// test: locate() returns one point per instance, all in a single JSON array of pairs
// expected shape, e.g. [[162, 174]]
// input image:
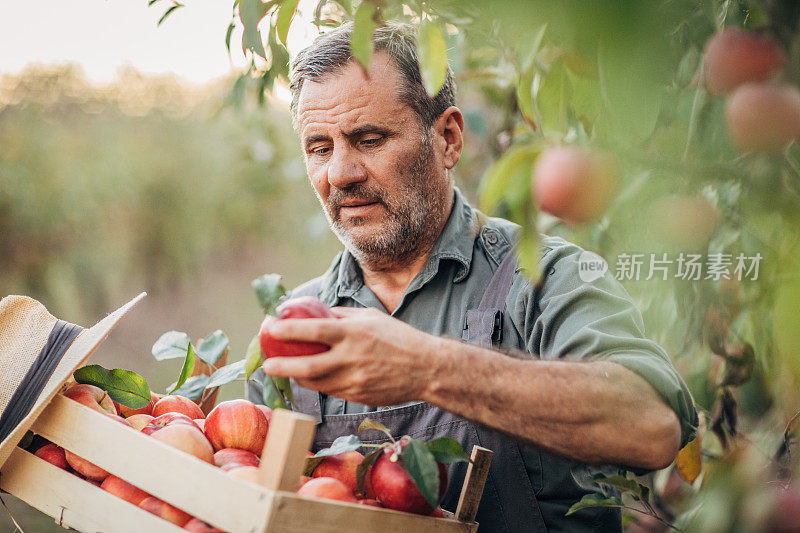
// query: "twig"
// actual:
[[16, 525]]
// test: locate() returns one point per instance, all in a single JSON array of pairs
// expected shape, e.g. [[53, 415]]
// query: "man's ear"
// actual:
[[450, 126]]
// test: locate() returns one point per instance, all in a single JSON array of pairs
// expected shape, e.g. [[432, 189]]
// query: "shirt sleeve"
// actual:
[[565, 317]]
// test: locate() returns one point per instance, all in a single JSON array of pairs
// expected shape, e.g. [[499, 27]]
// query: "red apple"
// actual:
[[394, 488], [177, 404], [733, 57], [764, 117], [201, 423], [140, 421], [165, 511], [342, 467], [91, 396], [188, 439], [235, 455], [304, 480], [198, 526], [247, 473], [53, 454], [237, 424], [267, 413], [327, 487], [574, 183], [122, 489], [437, 513], [302, 307], [165, 420]]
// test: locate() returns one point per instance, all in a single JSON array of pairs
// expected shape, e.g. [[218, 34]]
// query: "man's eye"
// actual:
[[320, 151], [372, 141]]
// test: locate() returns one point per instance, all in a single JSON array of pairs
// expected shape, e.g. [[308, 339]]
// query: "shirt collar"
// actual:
[[455, 243]]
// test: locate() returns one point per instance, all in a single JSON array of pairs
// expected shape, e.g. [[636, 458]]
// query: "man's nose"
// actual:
[[345, 168]]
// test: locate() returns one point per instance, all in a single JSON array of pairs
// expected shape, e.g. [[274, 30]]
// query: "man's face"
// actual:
[[375, 171]]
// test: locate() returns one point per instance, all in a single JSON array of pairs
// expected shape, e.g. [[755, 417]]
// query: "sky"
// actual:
[[104, 35]]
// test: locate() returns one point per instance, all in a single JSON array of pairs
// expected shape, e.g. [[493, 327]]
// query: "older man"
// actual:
[[421, 269]]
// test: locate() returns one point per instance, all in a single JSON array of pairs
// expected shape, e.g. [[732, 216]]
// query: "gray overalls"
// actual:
[[509, 503]]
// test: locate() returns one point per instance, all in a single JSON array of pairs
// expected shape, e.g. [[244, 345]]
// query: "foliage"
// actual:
[[627, 78]]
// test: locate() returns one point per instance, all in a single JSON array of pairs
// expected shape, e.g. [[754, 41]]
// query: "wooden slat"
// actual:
[[73, 502], [292, 513], [289, 438], [472, 490], [184, 481]]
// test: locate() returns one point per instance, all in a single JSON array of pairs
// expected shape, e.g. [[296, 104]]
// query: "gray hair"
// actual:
[[331, 51]]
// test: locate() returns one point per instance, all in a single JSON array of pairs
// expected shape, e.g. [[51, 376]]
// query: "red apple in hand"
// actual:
[[177, 404], [393, 486], [327, 487], [302, 307], [237, 424], [54, 454]]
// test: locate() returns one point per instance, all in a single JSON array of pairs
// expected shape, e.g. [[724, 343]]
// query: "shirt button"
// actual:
[[491, 237]]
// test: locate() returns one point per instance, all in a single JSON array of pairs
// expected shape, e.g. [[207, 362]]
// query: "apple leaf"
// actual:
[[250, 13], [226, 374], [421, 466], [689, 462], [594, 500], [446, 450], [171, 345], [363, 26], [186, 371], [193, 388], [277, 392], [509, 179], [269, 291], [253, 357], [624, 484], [123, 386], [285, 15], [363, 468], [369, 423], [212, 347], [432, 57]]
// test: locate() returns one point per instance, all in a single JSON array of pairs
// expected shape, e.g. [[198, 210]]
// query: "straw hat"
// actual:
[[38, 354]]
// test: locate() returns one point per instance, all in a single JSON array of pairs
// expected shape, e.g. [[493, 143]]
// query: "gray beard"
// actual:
[[414, 217]]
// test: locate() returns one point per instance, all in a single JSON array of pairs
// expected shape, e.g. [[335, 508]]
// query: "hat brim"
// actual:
[[76, 355]]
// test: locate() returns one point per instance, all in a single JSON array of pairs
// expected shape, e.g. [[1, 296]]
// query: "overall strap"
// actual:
[[484, 326]]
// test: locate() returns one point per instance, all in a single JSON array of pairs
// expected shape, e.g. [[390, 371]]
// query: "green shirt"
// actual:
[[562, 317]]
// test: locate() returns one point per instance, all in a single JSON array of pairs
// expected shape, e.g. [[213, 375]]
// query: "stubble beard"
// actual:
[[413, 217]]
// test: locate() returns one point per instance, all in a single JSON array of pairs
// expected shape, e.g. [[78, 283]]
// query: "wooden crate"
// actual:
[[197, 487]]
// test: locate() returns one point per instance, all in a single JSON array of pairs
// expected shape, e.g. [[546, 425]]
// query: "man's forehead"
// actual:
[[348, 97]]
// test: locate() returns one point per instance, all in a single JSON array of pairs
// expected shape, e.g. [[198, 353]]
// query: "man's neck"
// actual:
[[390, 282]]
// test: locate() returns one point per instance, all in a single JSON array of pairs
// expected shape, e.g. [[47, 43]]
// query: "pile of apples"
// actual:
[[231, 437]]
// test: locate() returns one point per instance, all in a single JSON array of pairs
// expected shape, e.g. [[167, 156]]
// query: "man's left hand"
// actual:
[[374, 359]]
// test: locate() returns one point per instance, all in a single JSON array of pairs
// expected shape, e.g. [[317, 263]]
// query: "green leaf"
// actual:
[[226, 374], [171, 345], [194, 387], [363, 468], [363, 26], [253, 357], [446, 450], [123, 386], [343, 444], [421, 466], [621, 482], [369, 423], [212, 347], [188, 366], [285, 14], [228, 34], [167, 13], [432, 57], [594, 500], [250, 13], [279, 66], [269, 291], [553, 97], [276, 392], [509, 179]]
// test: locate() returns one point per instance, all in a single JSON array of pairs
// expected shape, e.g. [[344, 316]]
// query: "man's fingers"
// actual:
[[302, 367], [325, 330]]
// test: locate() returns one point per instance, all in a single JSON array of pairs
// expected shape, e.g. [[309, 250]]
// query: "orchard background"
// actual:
[[191, 192]]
